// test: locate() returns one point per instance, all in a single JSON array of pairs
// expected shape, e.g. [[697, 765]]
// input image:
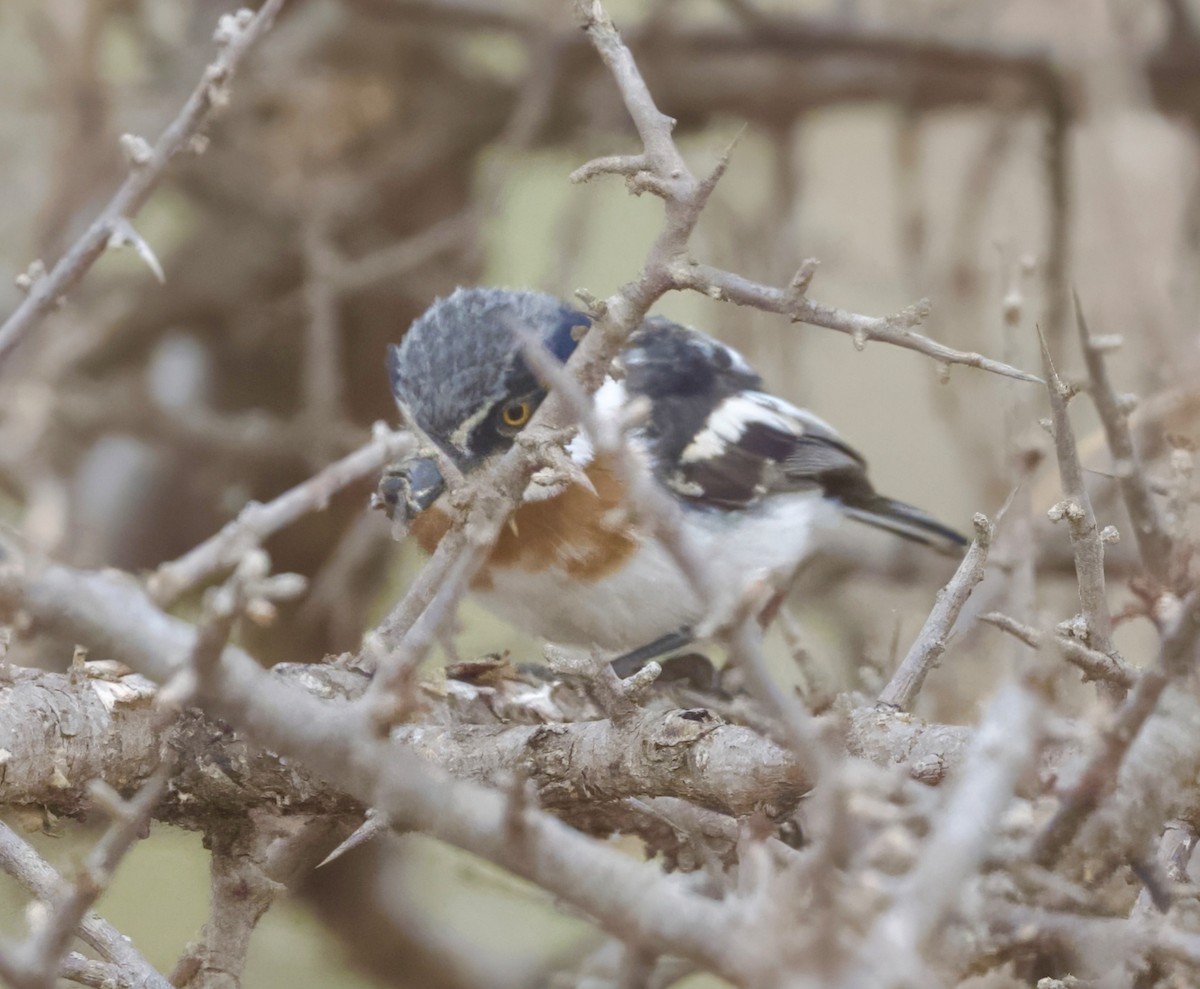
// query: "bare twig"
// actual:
[[236, 35], [1005, 745], [744, 640], [19, 860], [661, 170], [1094, 665], [896, 329], [1052, 90], [131, 820], [935, 634], [258, 521], [1154, 544], [1018, 545], [1099, 774], [397, 661], [1018, 630], [1076, 508]]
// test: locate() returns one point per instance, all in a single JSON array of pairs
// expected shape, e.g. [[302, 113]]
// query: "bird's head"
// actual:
[[459, 373]]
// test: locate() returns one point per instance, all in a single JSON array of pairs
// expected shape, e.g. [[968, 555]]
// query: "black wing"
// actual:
[[718, 440], [752, 444]]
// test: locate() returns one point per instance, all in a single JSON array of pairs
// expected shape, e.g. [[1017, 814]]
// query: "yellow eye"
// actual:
[[516, 414]]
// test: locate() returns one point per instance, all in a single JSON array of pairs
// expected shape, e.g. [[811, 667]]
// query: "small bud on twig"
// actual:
[[230, 26], [26, 279], [137, 150]]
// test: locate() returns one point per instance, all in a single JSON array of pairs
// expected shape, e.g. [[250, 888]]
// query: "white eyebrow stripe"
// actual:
[[728, 422], [460, 438]]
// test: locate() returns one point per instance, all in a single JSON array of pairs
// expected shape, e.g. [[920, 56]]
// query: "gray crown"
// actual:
[[460, 356]]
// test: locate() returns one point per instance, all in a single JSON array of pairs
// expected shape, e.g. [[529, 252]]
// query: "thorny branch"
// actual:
[[258, 521], [1153, 543], [661, 170], [906, 682], [1094, 665], [795, 304], [19, 860], [36, 962], [1076, 508], [1004, 746], [48, 943], [1095, 782], [236, 35]]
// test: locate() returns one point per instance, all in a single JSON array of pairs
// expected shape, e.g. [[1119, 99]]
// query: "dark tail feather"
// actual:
[[909, 522]]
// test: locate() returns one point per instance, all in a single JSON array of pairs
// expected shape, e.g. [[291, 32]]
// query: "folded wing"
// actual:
[[753, 445]]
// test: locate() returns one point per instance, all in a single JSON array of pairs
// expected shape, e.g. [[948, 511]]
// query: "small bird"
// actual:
[[755, 478]]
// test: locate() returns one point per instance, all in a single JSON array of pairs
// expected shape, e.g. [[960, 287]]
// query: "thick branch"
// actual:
[[690, 754], [101, 728], [253, 861], [620, 894]]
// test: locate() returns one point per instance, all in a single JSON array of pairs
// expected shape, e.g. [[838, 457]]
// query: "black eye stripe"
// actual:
[[491, 433], [485, 438]]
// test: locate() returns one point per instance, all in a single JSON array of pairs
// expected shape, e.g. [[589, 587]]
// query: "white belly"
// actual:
[[649, 596]]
